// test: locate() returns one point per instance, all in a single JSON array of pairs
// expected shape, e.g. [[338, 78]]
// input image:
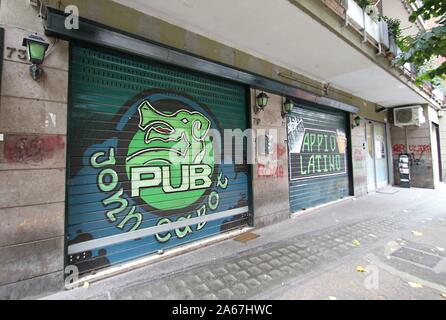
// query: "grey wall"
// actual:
[[32, 161]]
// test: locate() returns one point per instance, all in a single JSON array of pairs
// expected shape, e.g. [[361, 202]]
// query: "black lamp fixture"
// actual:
[[287, 107], [261, 102], [356, 122], [36, 48]]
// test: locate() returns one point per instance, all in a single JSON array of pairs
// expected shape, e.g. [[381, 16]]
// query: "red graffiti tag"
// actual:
[[413, 148], [280, 150], [398, 148], [32, 148], [270, 170], [420, 148]]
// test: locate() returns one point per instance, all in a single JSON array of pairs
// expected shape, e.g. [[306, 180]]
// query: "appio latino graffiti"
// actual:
[[316, 152]]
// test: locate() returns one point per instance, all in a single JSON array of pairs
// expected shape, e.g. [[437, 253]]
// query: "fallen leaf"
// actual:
[[86, 285], [361, 269], [332, 298], [443, 295], [417, 233], [356, 242], [415, 285], [440, 249]]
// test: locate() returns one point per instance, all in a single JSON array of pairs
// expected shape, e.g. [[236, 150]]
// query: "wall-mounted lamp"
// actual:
[[440, 113], [261, 102], [287, 107], [356, 122], [36, 47]]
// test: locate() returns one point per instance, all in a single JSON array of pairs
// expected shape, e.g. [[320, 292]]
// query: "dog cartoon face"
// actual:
[[180, 134]]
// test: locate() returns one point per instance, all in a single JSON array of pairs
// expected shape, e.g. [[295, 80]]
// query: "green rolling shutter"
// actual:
[[318, 159], [143, 170]]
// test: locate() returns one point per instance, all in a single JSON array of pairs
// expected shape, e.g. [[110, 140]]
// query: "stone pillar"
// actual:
[[359, 149], [33, 121], [270, 176]]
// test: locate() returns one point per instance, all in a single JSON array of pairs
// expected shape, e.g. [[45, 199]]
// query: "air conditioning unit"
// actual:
[[409, 116]]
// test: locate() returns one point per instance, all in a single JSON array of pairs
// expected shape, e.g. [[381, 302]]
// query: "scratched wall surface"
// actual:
[[32, 160], [270, 173], [420, 150]]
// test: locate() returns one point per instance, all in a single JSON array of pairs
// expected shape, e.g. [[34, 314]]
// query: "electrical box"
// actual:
[[409, 116], [404, 170]]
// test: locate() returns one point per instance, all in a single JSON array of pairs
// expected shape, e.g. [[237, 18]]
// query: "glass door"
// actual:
[[377, 172], [382, 177]]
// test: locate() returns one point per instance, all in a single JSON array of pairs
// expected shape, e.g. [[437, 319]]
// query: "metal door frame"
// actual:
[[373, 122]]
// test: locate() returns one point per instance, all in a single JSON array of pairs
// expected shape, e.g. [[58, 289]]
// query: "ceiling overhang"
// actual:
[[281, 33]]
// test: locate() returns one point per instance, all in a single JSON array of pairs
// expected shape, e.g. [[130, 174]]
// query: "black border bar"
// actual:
[[92, 32]]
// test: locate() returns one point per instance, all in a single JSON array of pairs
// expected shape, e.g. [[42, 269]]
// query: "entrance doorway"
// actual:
[[377, 169]]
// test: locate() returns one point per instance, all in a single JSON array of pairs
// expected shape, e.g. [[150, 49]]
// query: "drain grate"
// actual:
[[416, 256]]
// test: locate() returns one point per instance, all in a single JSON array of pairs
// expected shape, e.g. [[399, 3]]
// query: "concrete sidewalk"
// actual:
[[312, 256]]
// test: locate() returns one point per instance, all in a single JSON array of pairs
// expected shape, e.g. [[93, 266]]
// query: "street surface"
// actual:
[[387, 245]]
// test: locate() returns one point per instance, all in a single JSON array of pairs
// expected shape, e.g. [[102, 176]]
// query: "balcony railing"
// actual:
[[377, 32]]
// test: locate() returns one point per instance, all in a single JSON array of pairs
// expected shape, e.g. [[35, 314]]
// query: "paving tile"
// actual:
[[225, 293], [244, 263], [230, 279], [276, 274], [232, 267], [240, 288], [255, 260], [254, 271], [265, 266], [242, 277], [252, 283], [265, 257], [201, 289]]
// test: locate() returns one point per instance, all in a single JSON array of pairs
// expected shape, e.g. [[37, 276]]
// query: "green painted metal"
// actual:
[[319, 162], [130, 119]]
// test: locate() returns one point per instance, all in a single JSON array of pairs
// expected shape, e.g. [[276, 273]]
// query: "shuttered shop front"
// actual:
[[144, 171], [318, 156]]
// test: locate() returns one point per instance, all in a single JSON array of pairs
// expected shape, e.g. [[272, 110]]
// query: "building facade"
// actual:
[[144, 134]]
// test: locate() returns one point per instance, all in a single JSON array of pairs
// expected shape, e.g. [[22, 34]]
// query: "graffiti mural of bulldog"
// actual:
[[178, 144], [181, 134]]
